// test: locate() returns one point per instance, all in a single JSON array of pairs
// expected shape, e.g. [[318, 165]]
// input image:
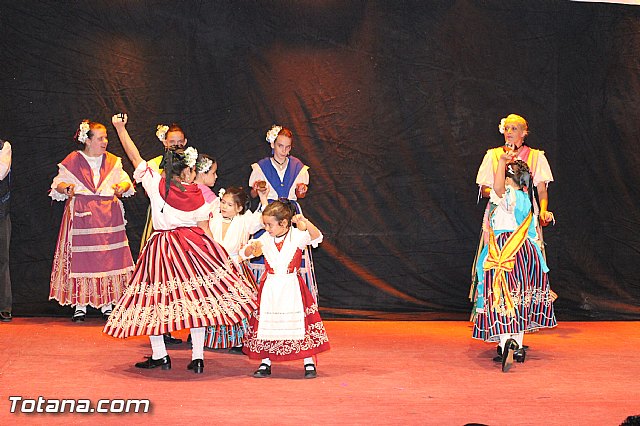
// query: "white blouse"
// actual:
[[485, 176], [117, 175], [163, 215], [242, 226], [279, 259]]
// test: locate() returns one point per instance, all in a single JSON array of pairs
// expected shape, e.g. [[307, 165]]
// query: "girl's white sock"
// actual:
[[158, 347], [197, 343]]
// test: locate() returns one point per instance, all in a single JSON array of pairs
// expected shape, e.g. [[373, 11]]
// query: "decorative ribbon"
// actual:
[[503, 260]]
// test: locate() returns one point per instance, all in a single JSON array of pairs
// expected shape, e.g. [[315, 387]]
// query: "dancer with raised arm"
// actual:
[[182, 279]]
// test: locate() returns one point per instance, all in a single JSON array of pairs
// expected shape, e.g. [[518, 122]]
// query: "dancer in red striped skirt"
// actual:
[[182, 278]]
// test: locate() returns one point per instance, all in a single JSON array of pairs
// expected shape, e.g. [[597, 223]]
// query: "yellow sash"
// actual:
[[503, 261]]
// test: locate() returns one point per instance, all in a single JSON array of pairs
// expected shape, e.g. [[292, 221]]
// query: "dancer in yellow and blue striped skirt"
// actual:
[[514, 296]]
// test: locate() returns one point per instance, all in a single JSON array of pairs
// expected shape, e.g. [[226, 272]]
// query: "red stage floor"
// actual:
[[378, 372]]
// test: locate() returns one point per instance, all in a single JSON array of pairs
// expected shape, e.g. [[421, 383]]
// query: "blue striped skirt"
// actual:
[[530, 291]]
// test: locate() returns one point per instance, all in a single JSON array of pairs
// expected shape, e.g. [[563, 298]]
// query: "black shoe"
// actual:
[[497, 358], [78, 316], [164, 363], [520, 355], [106, 314], [5, 316], [197, 365], [310, 371], [236, 350], [263, 370], [507, 354], [499, 350], [170, 340]]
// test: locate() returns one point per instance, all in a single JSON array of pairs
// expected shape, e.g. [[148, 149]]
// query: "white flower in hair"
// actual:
[[190, 156], [204, 165], [161, 132], [272, 134], [221, 192], [83, 133], [501, 125]]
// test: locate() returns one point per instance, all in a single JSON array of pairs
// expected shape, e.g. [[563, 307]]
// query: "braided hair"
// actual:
[[520, 174], [173, 163]]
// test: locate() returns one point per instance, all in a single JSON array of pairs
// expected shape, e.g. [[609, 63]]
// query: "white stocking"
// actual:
[[158, 347], [518, 338], [503, 339], [197, 343]]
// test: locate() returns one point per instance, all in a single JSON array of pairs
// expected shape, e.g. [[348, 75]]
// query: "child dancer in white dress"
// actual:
[[231, 226], [287, 325]]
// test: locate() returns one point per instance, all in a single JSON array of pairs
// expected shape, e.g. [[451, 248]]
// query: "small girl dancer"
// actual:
[[206, 176], [287, 325], [513, 286], [231, 226], [182, 278]]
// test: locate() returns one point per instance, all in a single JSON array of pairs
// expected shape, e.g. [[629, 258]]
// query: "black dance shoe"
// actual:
[[164, 363], [5, 316], [310, 371], [197, 365], [518, 356], [263, 370], [106, 314], [170, 340], [236, 350], [499, 350], [507, 354], [78, 316]]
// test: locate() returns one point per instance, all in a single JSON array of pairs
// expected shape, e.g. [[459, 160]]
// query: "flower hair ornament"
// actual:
[[190, 156], [83, 131], [204, 165], [501, 125], [272, 134], [161, 132], [221, 192]]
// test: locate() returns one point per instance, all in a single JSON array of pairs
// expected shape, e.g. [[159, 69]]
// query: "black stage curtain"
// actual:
[[393, 105]]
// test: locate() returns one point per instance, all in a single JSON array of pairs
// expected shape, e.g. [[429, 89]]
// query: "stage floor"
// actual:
[[377, 372]]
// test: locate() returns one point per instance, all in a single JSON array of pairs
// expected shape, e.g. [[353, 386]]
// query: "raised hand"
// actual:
[[119, 120]]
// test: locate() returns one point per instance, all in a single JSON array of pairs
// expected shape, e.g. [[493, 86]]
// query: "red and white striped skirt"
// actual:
[[182, 279]]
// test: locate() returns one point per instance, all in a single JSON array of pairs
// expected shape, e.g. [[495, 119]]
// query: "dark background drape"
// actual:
[[393, 105]]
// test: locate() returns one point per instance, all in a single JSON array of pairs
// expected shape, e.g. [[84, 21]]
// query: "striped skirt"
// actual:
[[529, 288], [92, 263], [223, 337], [182, 279]]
